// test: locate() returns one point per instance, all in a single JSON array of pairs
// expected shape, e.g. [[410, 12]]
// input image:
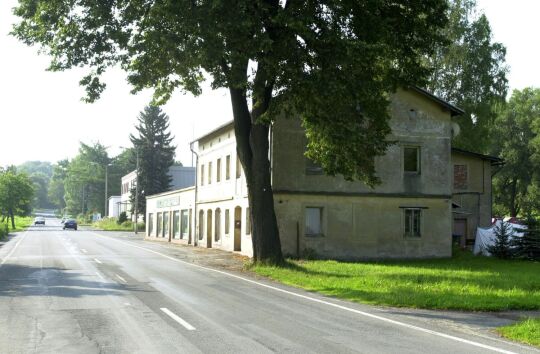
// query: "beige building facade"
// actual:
[[409, 215]]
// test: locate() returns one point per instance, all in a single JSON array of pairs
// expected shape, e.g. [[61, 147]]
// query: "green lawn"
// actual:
[[112, 225], [464, 282], [526, 331], [21, 223]]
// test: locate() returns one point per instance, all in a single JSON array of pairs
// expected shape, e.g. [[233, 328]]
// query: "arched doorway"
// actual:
[[201, 225], [209, 228], [238, 228], [217, 231]]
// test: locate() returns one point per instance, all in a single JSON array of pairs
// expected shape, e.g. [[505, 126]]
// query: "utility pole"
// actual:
[[106, 189], [137, 191]]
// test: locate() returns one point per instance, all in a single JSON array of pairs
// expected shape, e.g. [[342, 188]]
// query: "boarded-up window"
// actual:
[[411, 159], [313, 221], [218, 170], [248, 222], [227, 221], [228, 167], [460, 177]]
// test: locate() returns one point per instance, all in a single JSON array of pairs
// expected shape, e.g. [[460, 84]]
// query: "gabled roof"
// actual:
[[454, 110], [494, 159]]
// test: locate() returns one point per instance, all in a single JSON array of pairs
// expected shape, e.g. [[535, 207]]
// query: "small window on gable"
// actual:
[[411, 159], [460, 177], [313, 219], [412, 222]]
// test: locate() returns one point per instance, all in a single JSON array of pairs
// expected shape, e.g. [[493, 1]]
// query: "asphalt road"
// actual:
[[87, 292]]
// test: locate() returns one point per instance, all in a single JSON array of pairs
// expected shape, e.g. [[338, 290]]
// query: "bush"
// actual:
[[528, 245], [122, 218], [4, 230], [502, 247]]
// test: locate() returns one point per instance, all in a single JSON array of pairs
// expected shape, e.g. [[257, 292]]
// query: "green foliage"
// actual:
[[111, 224], [40, 172], [156, 155], [471, 73], [4, 230], [56, 190], [502, 246], [16, 194], [464, 282], [333, 64], [517, 185], [528, 245], [122, 218], [525, 331]]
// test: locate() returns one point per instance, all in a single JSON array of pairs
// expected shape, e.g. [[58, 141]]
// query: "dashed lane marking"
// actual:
[[177, 319]]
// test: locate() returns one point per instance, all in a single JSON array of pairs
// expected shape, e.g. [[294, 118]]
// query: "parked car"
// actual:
[[39, 221], [70, 224]]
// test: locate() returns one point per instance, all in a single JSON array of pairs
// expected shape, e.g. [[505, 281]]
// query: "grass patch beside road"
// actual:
[[464, 282], [21, 223], [110, 224], [526, 331]]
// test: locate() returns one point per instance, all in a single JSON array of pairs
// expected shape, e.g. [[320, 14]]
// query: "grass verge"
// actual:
[[464, 282], [112, 225], [526, 331], [21, 223]]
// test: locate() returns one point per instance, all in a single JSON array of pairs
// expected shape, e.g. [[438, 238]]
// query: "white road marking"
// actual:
[[84, 251], [99, 275], [309, 298], [97, 261], [177, 319], [122, 279], [13, 249]]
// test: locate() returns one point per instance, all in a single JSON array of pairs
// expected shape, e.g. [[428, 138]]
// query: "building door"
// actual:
[[237, 229], [460, 230], [209, 228], [201, 225]]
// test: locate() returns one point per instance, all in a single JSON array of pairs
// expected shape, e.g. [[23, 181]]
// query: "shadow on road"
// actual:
[[21, 280]]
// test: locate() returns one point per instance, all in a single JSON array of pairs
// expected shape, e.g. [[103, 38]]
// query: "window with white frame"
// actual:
[[313, 219], [210, 172], [202, 175], [227, 221], [413, 217], [184, 224], [218, 170], [150, 224], [228, 167]]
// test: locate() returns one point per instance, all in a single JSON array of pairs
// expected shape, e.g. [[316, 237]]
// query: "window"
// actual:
[[248, 222], [210, 172], [227, 221], [411, 159], [238, 167], [313, 168], [184, 224], [217, 233], [159, 223], [218, 170], [165, 224], [202, 175], [150, 224], [176, 224], [313, 221], [412, 222], [460, 177], [228, 167]]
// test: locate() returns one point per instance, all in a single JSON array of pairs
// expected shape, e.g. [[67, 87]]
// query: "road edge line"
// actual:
[[345, 308]]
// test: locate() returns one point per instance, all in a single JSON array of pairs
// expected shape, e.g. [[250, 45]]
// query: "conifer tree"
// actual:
[[501, 247], [156, 154]]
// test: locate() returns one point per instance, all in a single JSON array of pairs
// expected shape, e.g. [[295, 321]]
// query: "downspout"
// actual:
[[195, 228]]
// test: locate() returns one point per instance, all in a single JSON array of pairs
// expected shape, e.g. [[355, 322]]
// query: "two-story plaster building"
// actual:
[[409, 215]]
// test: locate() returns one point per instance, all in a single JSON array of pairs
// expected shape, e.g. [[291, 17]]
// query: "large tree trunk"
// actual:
[[253, 150]]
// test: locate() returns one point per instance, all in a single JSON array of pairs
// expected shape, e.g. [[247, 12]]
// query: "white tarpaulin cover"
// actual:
[[486, 236]]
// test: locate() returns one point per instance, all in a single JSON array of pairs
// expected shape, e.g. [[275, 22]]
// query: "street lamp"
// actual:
[[136, 188]]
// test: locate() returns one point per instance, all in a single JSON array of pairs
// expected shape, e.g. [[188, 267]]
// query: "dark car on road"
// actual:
[[39, 221], [70, 224]]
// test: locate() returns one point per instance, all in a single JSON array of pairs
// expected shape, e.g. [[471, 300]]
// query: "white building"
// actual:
[[182, 177], [221, 212], [114, 206]]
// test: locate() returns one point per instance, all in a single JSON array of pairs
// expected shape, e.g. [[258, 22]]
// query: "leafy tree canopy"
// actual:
[[16, 194], [517, 185], [471, 73]]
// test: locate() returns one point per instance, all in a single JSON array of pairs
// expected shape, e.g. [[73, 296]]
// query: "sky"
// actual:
[[43, 118]]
